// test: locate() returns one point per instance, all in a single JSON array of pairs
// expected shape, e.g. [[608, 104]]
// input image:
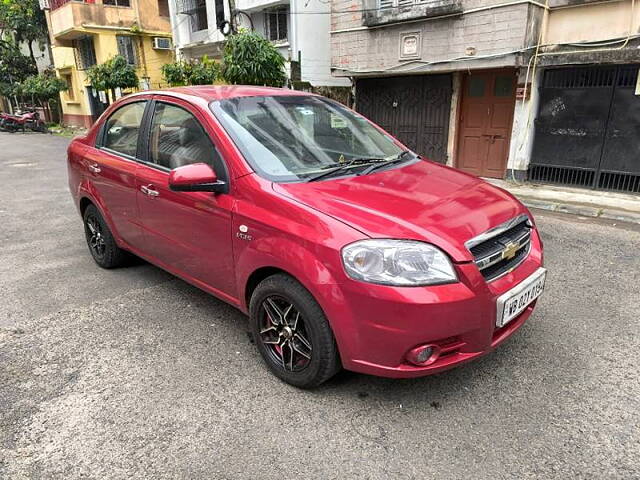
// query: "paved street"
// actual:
[[132, 373]]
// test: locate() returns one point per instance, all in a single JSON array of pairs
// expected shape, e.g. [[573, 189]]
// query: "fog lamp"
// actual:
[[423, 355]]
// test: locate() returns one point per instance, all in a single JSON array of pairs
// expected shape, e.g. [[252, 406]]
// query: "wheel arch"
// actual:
[[84, 203], [258, 276]]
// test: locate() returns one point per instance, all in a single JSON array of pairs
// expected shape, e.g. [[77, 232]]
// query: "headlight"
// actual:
[[397, 262]]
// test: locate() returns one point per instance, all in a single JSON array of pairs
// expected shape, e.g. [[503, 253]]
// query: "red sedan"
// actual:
[[345, 248]]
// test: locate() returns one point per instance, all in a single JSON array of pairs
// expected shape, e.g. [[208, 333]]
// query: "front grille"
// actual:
[[501, 249]]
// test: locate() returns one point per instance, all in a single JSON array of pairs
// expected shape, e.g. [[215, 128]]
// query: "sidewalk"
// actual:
[[578, 201]]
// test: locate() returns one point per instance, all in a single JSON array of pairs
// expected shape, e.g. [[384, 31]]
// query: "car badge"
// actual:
[[510, 250]]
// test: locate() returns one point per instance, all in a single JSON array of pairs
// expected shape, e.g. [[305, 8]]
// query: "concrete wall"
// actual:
[[586, 23], [310, 35], [361, 50]]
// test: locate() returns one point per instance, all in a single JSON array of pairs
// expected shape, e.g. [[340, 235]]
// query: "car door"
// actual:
[[111, 169], [189, 233]]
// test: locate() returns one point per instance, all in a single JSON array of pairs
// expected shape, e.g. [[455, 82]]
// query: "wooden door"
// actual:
[[486, 117]]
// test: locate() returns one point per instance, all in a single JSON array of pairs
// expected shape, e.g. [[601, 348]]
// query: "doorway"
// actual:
[[588, 127], [486, 117], [414, 109]]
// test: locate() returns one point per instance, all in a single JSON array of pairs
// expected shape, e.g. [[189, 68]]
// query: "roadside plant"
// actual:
[[250, 59], [112, 74], [43, 88], [191, 72]]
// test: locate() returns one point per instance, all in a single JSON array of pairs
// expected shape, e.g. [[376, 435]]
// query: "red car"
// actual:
[[345, 248]]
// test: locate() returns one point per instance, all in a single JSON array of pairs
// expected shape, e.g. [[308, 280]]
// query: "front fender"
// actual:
[[283, 254]]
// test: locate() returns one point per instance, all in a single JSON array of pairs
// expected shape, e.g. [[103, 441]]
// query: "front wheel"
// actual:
[[292, 332]]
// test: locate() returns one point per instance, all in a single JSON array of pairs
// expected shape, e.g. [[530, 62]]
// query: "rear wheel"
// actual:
[[100, 241], [292, 332]]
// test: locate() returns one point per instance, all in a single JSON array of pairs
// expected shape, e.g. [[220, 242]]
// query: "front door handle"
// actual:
[[148, 190], [94, 168]]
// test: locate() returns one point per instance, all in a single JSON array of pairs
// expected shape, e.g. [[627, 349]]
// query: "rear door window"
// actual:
[[122, 129]]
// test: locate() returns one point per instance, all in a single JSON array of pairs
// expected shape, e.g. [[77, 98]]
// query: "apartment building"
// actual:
[[87, 32], [299, 28], [518, 89]]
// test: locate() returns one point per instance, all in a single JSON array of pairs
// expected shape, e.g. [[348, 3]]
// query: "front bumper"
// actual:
[[376, 325]]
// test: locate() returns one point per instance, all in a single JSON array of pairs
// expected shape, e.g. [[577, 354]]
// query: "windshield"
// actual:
[[289, 138]]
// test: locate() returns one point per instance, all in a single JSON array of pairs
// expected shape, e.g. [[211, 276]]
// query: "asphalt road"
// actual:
[[132, 373]]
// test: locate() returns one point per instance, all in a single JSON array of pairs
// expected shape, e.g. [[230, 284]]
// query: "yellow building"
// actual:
[[84, 33]]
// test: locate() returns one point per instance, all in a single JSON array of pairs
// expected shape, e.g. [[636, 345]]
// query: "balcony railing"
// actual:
[[378, 12], [59, 3]]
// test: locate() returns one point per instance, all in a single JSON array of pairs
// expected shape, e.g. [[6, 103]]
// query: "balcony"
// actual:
[[70, 19], [381, 12], [256, 5]]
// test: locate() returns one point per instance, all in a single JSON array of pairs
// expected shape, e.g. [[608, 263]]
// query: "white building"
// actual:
[[299, 28]]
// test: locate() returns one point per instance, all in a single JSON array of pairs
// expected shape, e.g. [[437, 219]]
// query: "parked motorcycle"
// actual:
[[27, 120]]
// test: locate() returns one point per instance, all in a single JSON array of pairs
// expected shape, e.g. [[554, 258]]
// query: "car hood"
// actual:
[[421, 201]]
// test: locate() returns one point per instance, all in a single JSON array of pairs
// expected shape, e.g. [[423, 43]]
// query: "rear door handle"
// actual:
[[148, 190], [94, 168]]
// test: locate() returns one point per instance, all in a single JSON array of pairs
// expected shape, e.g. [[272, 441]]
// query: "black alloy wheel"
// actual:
[[102, 245], [292, 333]]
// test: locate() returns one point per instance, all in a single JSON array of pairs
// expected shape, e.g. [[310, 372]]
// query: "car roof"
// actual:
[[222, 92]]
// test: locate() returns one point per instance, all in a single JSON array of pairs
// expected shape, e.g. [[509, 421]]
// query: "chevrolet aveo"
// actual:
[[345, 248]]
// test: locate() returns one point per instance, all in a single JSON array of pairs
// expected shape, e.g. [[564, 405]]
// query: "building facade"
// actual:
[[587, 116], [499, 89], [299, 28], [84, 33]]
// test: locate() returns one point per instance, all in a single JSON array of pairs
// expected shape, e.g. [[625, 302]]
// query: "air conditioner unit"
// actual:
[[162, 43], [44, 4]]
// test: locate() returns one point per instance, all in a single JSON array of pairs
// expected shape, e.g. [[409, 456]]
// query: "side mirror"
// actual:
[[197, 177]]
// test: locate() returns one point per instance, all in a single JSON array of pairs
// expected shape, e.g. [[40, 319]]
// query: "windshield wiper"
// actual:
[[377, 165], [345, 166]]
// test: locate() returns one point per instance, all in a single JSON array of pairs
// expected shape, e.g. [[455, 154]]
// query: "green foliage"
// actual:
[[191, 72], [14, 68], [44, 87], [24, 18], [112, 74], [250, 59]]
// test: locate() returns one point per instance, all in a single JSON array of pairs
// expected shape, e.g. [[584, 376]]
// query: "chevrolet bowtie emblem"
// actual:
[[510, 250]]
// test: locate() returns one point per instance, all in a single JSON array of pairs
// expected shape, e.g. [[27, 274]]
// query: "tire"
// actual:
[[102, 245], [304, 320]]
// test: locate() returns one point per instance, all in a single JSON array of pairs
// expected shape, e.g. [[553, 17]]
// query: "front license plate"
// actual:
[[512, 303]]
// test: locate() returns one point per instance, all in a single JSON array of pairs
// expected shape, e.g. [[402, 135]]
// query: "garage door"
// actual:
[[414, 109], [588, 128]]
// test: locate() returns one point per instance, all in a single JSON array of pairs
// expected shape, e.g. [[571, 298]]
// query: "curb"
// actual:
[[583, 210]]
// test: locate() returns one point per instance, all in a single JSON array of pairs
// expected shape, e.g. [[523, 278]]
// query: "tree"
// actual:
[[250, 59], [14, 68], [191, 72], [25, 20], [43, 88], [112, 74]]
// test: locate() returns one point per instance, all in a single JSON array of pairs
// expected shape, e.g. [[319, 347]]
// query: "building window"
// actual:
[[117, 3], [276, 24], [199, 16], [127, 48], [68, 79], [163, 8], [85, 53]]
